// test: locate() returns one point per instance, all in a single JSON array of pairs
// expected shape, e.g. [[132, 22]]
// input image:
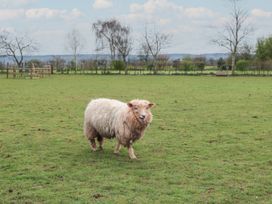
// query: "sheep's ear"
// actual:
[[130, 105], [151, 105]]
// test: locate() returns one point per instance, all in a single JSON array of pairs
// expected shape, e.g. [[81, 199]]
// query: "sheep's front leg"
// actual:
[[92, 144], [100, 140], [131, 152], [117, 148]]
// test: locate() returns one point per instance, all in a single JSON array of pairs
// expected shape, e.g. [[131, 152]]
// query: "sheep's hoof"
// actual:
[[116, 153], [134, 158], [101, 149], [93, 149]]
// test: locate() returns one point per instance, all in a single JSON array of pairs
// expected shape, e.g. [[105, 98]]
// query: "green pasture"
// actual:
[[210, 141]]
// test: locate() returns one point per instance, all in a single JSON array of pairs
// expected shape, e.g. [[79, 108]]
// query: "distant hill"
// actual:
[[214, 56], [46, 58]]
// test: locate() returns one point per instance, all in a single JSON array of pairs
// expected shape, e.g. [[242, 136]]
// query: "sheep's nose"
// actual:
[[142, 116]]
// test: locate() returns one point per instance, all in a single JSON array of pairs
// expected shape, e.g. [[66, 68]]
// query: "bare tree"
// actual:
[[144, 54], [75, 44], [154, 42], [163, 62], [246, 52], [235, 32], [58, 64], [105, 32], [15, 46], [111, 34], [123, 43]]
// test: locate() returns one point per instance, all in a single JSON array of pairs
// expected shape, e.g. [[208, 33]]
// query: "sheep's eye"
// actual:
[[135, 108]]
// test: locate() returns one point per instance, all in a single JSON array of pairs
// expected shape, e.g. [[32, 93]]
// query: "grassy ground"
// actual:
[[210, 141]]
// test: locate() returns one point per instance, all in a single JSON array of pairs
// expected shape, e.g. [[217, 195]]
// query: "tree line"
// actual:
[[115, 38]]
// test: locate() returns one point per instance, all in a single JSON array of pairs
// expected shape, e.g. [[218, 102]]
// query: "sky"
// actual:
[[191, 23]]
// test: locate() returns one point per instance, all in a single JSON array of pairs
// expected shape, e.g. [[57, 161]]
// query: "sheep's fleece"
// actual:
[[108, 118]]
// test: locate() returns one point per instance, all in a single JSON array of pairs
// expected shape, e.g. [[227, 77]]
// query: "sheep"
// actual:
[[108, 118]]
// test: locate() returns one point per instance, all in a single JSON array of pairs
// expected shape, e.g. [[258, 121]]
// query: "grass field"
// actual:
[[210, 141]]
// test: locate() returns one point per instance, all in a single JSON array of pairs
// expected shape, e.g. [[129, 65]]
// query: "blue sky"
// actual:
[[192, 23]]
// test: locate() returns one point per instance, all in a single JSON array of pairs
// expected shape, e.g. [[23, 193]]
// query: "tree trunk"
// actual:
[[233, 63], [155, 66], [75, 61], [52, 69], [126, 66]]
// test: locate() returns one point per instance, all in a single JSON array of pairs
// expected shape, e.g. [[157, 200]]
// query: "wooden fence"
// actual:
[[31, 73]]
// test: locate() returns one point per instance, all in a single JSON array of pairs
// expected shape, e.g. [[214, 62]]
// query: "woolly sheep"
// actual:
[[108, 118]]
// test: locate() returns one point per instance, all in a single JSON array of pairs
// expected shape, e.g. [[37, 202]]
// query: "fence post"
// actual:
[[7, 69], [14, 73], [31, 72]]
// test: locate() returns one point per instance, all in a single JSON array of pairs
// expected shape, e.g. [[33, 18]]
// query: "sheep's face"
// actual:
[[141, 110]]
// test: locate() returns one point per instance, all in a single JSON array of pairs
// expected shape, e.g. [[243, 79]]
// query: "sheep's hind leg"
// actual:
[[91, 134], [117, 148]]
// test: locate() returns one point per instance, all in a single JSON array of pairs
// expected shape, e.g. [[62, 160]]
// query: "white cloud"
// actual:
[[160, 10], [37, 13], [152, 11], [164, 21], [102, 4], [134, 7], [76, 13], [44, 13], [152, 6], [15, 3], [261, 13], [7, 29], [186, 24], [22, 1], [198, 12], [8, 14]]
